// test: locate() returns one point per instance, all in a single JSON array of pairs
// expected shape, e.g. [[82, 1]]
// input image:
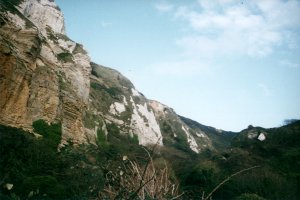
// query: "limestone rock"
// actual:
[[44, 74], [43, 13]]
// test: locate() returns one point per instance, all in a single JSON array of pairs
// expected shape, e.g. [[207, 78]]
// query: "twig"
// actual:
[[227, 179], [137, 191], [144, 172], [177, 196]]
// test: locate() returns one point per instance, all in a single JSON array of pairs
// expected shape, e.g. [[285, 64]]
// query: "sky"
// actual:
[[224, 63]]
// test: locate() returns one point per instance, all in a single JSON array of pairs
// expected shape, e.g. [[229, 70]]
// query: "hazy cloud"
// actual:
[[213, 29], [253, 28], [289, 64], [163, 6]]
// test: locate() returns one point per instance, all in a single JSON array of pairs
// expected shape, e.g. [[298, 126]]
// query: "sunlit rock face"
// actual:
[[144, 124], [175, 130], [43, 13], [44, 74], [261, 137]]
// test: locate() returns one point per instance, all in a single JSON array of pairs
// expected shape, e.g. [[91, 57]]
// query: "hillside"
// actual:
[[74, 129], [46, 75]]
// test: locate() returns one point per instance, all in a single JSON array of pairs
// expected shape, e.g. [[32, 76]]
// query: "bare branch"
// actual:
[[227, 179]]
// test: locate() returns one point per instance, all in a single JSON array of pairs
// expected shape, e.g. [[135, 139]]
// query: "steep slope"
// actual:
[[275, 153], [114, 100], [220, 139], [45, 75]]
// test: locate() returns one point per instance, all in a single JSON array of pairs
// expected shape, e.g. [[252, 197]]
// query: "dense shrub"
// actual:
[[247, 196], [44, 186], [50, 132], [112, 91], [101, 138], [37, 169]]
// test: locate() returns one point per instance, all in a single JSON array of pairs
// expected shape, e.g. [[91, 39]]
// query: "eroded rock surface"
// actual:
[[44, 74]]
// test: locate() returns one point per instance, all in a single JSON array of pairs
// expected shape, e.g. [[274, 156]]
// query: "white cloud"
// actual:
[[289, 64], [213, 29], [253, 28], [163, 7]]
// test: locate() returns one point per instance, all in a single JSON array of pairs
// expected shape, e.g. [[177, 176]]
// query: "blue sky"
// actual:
[[223, 63]]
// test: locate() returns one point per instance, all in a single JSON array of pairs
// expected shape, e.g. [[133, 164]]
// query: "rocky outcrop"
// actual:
[[115, 100], [175, 130], [43, 13], [44, 74]]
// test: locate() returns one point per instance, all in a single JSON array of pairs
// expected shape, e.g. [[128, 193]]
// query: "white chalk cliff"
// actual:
[[45, 75]]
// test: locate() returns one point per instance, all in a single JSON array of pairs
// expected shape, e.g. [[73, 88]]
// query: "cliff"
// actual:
[[45, 75]]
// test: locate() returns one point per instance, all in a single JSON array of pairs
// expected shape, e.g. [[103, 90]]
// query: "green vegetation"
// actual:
[[51, 132], [276, 178], [135, 139], [101, 138], [44, 185], [11, 7], [38, 171], [65, 57], [16, 2], [62, 83], [111, 76], [114, 92], [90, 120], [247, 196]]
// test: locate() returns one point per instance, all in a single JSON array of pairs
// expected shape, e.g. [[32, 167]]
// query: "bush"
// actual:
[[135, 139], [113, 130], [50, 132], [112, 91], [249, 197], [44, 186], [65, 57], [101, 138]]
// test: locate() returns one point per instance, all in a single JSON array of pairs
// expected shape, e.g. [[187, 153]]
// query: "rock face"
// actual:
[[43, 13], [45, 75], [115, 100]]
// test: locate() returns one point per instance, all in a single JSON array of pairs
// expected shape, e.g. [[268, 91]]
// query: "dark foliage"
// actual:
[[65, 57], [36, 168], [114, 92]]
